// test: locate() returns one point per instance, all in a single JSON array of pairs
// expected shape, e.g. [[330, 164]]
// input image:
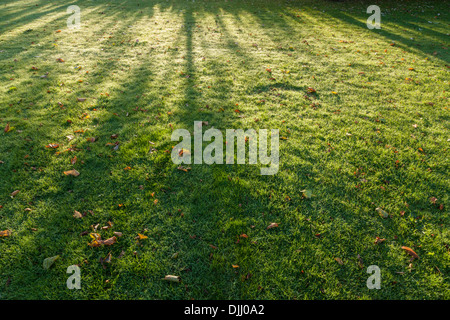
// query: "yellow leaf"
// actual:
[[5, 233]]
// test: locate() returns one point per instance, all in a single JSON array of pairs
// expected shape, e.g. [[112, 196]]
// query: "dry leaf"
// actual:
[[77, 215], [72, 172], [172, 278], [7, 128], [14, 193], [379, 240], [141, 236], [110, 241], [74, 160], [410, 252], [272, 225], [5, 233], [339, 261]]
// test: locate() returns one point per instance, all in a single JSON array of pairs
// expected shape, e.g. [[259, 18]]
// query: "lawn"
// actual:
[[363, 117]]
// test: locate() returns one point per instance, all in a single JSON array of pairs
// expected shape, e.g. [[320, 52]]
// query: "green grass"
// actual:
[[381, 141]]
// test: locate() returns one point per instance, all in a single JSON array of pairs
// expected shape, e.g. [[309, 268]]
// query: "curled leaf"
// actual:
[[410, 252]]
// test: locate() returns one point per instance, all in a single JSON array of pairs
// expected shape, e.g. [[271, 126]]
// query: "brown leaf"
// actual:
[[74, 160], [360, 261], [339, 261], [379, 240], [110, 241], [72, 172], [410, 252], [7, 128], [77, 215], [272, 225], [14, 193]]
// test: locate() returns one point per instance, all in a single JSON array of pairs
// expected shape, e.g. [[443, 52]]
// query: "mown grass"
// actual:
[[149, 67]]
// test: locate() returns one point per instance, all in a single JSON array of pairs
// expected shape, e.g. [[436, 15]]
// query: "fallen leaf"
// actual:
[[110, 241], [77, 215], [382, 213], [272, 225], [14, 193], [7, 128], [172, 278], [379, 240], [73, 160], [72, 172], [141, 236], [5, 233], [48, 262], [410, 252], [339, 261]]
